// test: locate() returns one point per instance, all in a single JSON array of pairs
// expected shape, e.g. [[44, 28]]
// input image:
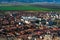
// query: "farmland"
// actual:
[[25, 8]]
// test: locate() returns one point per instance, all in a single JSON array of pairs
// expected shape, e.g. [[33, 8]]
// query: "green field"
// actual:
[[25, 8]]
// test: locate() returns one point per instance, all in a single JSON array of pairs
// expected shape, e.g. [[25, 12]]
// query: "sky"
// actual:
[[30, 1]]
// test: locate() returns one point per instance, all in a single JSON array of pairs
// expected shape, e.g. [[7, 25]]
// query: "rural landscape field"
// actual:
[[33, 8], [34, 5]]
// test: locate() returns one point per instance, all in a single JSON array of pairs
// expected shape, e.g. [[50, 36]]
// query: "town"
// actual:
[[29, 25]]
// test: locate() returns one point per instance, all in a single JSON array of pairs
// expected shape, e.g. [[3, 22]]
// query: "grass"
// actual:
[[29, 8]]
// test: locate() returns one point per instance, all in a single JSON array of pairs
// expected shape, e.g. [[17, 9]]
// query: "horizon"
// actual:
[[31, 1]]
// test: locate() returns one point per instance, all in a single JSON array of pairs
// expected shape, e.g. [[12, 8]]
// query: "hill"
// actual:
[[26, 8]]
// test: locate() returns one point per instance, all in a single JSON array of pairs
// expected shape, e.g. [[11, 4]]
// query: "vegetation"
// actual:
[[27, 8]]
